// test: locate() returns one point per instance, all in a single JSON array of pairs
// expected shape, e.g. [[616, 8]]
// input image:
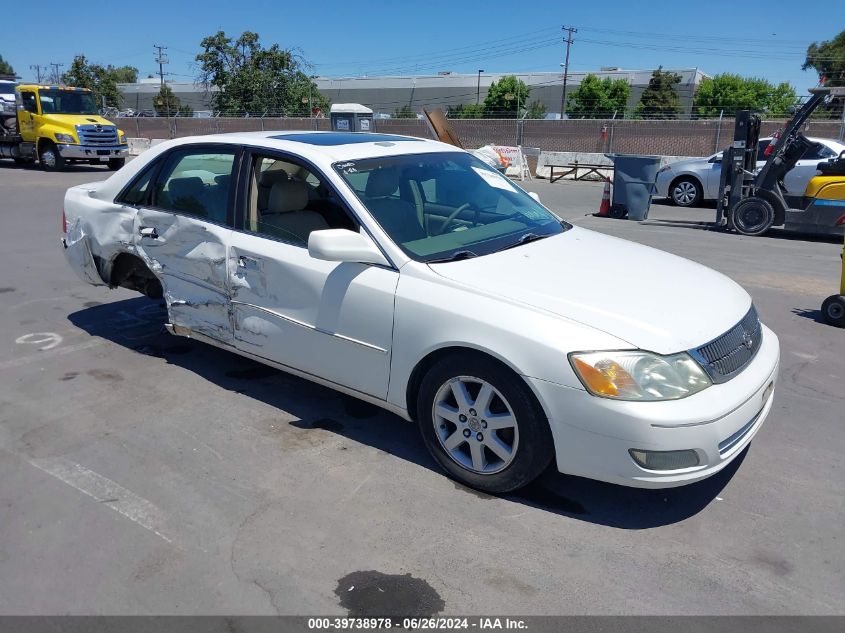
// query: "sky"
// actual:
[[356, 38]]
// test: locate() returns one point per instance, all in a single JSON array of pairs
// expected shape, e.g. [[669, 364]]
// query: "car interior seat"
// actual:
[[286, 216], [397, 217]]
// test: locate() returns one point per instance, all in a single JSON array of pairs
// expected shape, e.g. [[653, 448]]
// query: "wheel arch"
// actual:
[[687, 175], [128, 270], [433, 356]]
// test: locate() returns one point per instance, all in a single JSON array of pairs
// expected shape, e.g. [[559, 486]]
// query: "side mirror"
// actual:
[[534, 195], [343, 245]]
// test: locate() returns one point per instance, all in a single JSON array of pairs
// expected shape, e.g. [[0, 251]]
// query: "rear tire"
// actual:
[[49, 158], [496, 409], [833, 310], [686, 192], [116, 163], [752, 216]]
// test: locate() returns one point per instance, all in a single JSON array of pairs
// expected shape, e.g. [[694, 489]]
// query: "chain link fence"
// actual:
[[668, 138]]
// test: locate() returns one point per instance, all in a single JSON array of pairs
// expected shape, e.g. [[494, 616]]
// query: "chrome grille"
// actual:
[[97, 135], [726, 356]]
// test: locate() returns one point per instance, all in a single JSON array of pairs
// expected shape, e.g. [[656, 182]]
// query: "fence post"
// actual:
[[842, 126], [175, 128], [718, 131]]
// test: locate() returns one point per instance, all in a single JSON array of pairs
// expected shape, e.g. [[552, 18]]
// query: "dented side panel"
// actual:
[[188, 255], [98, 231], [330, 319]]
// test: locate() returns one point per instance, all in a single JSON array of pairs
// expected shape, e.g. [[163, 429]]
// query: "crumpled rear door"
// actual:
[[188, 255]]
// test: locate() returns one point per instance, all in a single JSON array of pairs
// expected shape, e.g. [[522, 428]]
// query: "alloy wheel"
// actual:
[[475, 425], [684, 193]]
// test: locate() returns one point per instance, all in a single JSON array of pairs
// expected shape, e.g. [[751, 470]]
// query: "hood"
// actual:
[[653, 300], [70, 121], [688, 164]]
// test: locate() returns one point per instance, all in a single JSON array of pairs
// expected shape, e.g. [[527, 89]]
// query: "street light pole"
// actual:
[[478, 88], [569, 31]]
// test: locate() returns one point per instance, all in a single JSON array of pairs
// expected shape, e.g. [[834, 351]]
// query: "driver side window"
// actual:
[[29, 103]]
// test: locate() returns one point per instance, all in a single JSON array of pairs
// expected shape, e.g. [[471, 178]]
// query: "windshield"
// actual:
[[56, 101], [7, 88], [446, 205]]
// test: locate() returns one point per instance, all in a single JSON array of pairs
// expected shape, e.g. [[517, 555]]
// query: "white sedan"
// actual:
[[412, 275], [687, 182]]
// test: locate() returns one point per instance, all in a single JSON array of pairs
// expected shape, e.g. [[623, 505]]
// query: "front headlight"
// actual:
[[122, 139], [638, 375], [65, 138]]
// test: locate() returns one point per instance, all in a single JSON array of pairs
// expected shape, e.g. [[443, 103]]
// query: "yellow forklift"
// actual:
[[751, 202], [833, 308]]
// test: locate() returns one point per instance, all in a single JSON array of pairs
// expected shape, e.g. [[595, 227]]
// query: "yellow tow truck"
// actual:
[[56, 125]]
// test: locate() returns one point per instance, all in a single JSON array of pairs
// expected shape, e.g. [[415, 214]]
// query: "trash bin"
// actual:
[[633, 184], [351, 117]]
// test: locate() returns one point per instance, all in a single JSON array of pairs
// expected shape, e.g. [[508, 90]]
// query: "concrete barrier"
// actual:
[[561, 159]]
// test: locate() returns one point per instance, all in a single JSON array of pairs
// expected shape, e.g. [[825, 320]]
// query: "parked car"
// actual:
[[412, 275], [687, 182]]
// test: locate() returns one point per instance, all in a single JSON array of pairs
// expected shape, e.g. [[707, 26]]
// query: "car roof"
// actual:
[[331, 146]]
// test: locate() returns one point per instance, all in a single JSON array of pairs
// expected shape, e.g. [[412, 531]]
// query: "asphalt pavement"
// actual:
[[142, 473]]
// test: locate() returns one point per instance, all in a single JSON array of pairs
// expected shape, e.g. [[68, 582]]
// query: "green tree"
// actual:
[[467, 111], [598, 98], [168, 104], [405, 112], [536, 110], [828, 60], [101, 80], [257, 80], [660, 99], [728, 92], [6, 67], [505, 97]]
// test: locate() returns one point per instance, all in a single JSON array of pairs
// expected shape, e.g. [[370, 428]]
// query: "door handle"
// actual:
[[148, 231], [247, 262]]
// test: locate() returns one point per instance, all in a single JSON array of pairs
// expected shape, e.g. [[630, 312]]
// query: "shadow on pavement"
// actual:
[[138, 324], [69, 168]]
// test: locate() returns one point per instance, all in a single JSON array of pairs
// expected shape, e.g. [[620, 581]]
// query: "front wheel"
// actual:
[[482, 424], [686, 192], [753, 216], [116, 163], [833, 310], [49, 157]]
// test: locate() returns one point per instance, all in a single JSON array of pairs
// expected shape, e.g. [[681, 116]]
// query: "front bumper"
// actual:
[[593, 435], [93, 152]]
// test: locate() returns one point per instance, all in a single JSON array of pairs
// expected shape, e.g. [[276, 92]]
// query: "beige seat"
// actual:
[[266, 180], [286, 216]]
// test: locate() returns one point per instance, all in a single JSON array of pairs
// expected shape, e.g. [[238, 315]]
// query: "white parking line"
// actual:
[[107, 492], [56, 351]]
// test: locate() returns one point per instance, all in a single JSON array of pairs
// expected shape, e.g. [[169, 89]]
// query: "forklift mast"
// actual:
[[739, 161]]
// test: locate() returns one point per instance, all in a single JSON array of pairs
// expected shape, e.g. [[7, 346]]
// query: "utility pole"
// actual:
[[569, 31], [478, 88], [56, 75], [161, 60], [37, 68]]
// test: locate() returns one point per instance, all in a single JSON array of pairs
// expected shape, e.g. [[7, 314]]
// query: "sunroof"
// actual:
[[342, 138]]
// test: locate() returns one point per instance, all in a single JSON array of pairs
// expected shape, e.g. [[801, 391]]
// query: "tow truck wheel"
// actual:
[[753, 216], [49, 157], [833, 310], [116, 163]]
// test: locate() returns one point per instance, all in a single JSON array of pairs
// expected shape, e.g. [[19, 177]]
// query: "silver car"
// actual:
[[687, 182]]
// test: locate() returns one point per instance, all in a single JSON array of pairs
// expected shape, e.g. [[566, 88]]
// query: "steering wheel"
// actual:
[[455, 214]]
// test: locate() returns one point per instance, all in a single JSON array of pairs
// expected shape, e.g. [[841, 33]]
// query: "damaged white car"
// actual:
[[412, 275]]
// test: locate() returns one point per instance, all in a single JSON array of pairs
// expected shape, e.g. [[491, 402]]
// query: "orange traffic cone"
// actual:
[[604, 209]]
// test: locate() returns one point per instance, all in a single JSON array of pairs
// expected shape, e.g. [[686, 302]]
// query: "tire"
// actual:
[[833, 310], [116, 163], [49, 158], [523, 442], [752, 216], [686, 192]]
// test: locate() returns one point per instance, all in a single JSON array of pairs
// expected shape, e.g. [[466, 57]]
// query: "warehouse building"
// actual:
[[446, 89]]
